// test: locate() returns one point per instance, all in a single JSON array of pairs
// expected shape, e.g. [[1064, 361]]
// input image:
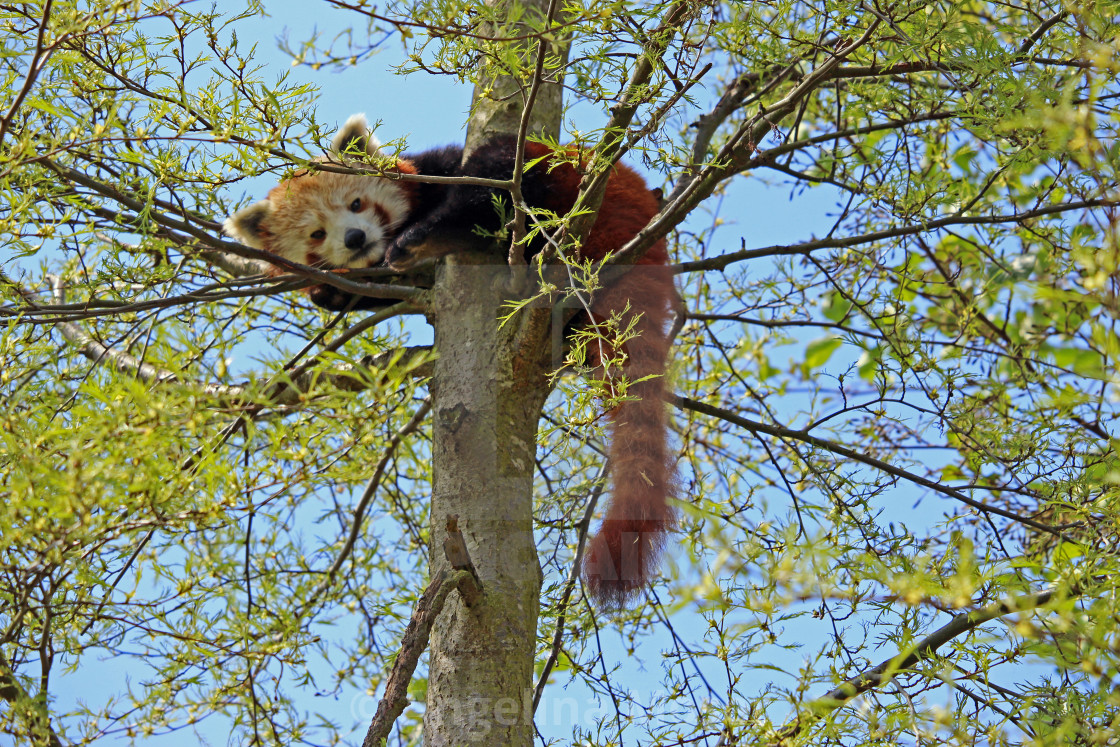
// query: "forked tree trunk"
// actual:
[[489, 386]]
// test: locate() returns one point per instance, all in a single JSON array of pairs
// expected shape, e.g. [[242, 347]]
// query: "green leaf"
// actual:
[[869, 363], [836, 307], [964, 157], [418, 690], [819, 351], [1080, 361]]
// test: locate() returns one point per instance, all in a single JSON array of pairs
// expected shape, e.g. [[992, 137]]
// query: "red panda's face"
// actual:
[[328, 219], [333, 220]]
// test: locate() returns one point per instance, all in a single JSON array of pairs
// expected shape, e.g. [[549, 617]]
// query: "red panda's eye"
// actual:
[[356, 205], [319, 234]]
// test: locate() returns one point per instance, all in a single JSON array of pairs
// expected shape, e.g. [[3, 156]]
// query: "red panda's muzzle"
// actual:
[[355, 239]]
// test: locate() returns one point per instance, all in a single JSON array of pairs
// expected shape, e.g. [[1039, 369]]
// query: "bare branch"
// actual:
[[415, 640], [286, 389], [100, 353], [722, 261], [888, 669], [778, 431]]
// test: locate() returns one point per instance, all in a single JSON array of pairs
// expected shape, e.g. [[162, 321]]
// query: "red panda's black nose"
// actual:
[[355, 239]]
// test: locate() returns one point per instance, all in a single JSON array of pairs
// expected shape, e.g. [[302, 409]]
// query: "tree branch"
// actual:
[[138, 208], [735, 154], [286, 389], [516, 249], [594, 183], [808, 247], [778, 431], [886, 671], [417, 634], [38, 61]]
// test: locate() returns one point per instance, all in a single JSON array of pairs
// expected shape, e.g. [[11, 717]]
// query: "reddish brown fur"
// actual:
[[623, 556]]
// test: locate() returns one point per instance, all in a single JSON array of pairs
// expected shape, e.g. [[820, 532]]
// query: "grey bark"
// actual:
[[489, 386], [488, 401]]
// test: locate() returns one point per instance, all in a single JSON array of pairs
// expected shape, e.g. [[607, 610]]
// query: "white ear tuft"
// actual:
[[246, 225], [355, 136]]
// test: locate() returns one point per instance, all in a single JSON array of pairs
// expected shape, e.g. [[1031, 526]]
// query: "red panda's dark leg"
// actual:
[[462, 210], [466, 211], [335, 299]]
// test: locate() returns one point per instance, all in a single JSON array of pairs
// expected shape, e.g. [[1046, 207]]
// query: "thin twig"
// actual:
[[367, 496], [570, 584]]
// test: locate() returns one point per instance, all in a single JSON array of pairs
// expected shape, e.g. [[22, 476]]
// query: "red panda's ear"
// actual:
[[247, 224], [355, 138]]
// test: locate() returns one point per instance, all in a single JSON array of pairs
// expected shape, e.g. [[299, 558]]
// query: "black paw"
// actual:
[[332, 299], [398, 257]]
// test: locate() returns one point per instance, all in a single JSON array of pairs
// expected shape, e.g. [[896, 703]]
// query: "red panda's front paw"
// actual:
[[332, 299], [328, 297], [399, 257]]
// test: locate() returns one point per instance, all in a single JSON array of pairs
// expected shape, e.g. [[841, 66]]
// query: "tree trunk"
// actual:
[[499, 101], [486, 408], [489, 385]]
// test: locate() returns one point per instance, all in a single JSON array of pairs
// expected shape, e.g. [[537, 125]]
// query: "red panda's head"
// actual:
[[325, 218]]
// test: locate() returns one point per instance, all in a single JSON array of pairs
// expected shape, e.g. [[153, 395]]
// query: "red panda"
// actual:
[[339, 221]]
